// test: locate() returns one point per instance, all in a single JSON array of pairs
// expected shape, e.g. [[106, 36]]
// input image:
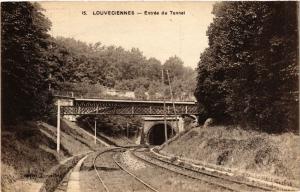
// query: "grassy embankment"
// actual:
[[266, 156], [28, 155]]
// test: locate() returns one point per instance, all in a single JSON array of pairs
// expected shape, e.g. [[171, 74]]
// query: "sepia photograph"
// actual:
[[136, 96]]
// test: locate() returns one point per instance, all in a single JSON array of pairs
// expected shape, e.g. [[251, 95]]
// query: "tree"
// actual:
[[73, 61], [113, 125], [153, 69], [140, 93], [250, 67], [153, 89], [24, 54], [175, 67]]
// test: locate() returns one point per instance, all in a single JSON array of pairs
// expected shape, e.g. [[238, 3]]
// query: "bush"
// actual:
[[113, 125], [249, 73]]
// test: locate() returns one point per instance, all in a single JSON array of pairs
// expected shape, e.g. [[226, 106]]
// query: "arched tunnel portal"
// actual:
[[156, 134]]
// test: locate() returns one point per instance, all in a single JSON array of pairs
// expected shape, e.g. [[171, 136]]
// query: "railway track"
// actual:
[[132, 175], [222, 182], [95, 167], [226, 183], [235, 179]]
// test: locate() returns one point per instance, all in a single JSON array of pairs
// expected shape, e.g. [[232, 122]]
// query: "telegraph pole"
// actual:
[[49, 85], [58, 127], [172, 100], [165, 120], [95, 129], [127, 129]]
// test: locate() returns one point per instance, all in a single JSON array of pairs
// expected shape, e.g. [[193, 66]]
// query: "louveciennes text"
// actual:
[[99, 12]]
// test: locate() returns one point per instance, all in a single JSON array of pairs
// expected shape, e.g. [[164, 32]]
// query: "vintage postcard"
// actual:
[[150, 96]]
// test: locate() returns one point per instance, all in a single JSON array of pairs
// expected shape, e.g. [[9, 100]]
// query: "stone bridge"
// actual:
[[153, 130]]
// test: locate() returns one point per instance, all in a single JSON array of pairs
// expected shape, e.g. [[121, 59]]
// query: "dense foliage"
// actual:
[[74, 61], [249, 73], [24, 50], [34, 63], [115, 125]]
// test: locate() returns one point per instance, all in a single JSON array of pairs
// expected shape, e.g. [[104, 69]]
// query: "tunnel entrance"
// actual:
[[156, 135]]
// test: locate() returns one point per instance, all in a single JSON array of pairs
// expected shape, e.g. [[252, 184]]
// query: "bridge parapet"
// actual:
[[76, 106], [125, 107]]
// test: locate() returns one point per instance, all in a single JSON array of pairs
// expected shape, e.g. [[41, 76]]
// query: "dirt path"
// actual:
[[73, 184]]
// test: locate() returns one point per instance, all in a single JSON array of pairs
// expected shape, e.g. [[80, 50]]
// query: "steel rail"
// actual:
[[212, 175], [106, 151], [134, 176], [191, 176], [95, 167], [183, 174]]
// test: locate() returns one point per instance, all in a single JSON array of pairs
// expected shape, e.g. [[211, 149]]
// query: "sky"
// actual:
[[159, 36]]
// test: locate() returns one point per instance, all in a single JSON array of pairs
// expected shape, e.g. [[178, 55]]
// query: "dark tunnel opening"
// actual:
[[156, 135]]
